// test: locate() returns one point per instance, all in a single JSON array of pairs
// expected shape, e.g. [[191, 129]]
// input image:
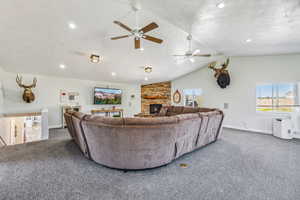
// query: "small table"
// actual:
[[108, 111]]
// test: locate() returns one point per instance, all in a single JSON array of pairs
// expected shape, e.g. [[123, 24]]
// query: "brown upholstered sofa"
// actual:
[[142, 143]]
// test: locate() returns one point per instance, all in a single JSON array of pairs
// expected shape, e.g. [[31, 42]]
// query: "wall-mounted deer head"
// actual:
[[28, 95], [221, 74]]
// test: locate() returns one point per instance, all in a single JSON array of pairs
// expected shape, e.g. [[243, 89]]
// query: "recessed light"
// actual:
[[221, 5], [72, 25], [146, 79], [62, 66], [113, 73], [142, 49], [249, 40], [192, 60]]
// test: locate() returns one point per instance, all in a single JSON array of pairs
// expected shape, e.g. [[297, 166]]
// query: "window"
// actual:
[[282, 97], [192, 97]]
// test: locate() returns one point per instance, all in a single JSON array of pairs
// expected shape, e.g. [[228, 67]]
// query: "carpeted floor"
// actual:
[[239, 166]]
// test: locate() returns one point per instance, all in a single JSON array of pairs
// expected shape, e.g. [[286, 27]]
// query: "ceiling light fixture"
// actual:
[[72, 25], [148, 69], [146, 79], [249, 40], [113, 73], [62, 66], [221, 4], [142, 49], [95, 58]]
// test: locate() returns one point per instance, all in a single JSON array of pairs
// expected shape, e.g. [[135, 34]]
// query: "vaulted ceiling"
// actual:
[[35, 36]]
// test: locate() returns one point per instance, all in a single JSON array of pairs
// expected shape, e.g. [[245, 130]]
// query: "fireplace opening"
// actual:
[[155, 108]]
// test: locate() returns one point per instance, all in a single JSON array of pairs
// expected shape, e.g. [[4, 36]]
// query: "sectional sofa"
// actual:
[[142, 143]]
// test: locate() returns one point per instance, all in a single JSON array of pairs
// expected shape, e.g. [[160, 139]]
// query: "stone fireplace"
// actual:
[[154, 96]]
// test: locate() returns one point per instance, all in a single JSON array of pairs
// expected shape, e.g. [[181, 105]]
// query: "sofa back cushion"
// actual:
[[190, 110], [141, 143], [150, 121], [187, 133], [174, 110], [79, 134], [211, 122], [107, 121], [69, 122]]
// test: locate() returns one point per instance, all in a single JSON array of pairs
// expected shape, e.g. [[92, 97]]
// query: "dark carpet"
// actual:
[[239, 166]]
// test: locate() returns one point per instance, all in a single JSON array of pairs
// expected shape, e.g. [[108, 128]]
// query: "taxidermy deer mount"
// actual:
[[28, 95], [222, 74]]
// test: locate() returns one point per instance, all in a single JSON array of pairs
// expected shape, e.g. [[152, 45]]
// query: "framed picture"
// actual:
[[177, 97]]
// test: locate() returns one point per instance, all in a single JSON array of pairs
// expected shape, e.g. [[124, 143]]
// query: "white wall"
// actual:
[[48, 90], [2, 75], [245, 73]]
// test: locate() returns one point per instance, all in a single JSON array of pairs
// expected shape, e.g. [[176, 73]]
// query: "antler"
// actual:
[[225, 65], [213, 65], [19, 82]]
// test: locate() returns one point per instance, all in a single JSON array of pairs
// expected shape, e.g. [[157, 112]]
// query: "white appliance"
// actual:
[[282, 128], [295, 116]]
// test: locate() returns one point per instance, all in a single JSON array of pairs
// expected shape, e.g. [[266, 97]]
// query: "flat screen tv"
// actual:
[[107, 96]]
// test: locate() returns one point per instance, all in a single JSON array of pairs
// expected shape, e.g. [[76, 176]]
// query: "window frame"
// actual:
[[194, 96], [274, 110]]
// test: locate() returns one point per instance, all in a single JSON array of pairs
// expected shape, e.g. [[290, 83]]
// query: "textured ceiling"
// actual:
[[35, 37], [273, 25]]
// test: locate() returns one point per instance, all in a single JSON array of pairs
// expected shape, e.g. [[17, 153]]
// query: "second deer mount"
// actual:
[[154, 97]]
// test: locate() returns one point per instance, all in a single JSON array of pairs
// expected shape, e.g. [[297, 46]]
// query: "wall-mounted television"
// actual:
[[107, 96]]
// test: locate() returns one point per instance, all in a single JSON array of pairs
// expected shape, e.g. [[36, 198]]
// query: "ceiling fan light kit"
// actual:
[[148, 69], [95, 58]]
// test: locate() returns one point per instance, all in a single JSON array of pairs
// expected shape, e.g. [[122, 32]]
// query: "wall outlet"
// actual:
[[226, 105]]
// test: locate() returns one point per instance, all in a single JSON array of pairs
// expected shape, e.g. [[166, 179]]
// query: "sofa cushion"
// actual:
[[207, 109], [150, 121], [187, 116], [174, 110], [190, 110], [105, 120], [78, 115]]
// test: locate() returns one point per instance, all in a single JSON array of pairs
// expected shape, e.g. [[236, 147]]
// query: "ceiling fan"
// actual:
[[190, 54], [138, 33]]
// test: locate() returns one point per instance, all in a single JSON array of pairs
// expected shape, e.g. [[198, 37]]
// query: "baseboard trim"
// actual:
[[245, 129], [55, 126]]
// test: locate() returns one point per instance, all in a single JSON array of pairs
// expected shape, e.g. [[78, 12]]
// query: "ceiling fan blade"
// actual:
[[197, 51], [152, 39], [79, 53], [202, 55], [120, 37], [123, 26], [180, 55], [149, 27], [137, 43]]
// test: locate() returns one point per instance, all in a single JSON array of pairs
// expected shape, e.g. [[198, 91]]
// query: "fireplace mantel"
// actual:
[[157, 93]]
